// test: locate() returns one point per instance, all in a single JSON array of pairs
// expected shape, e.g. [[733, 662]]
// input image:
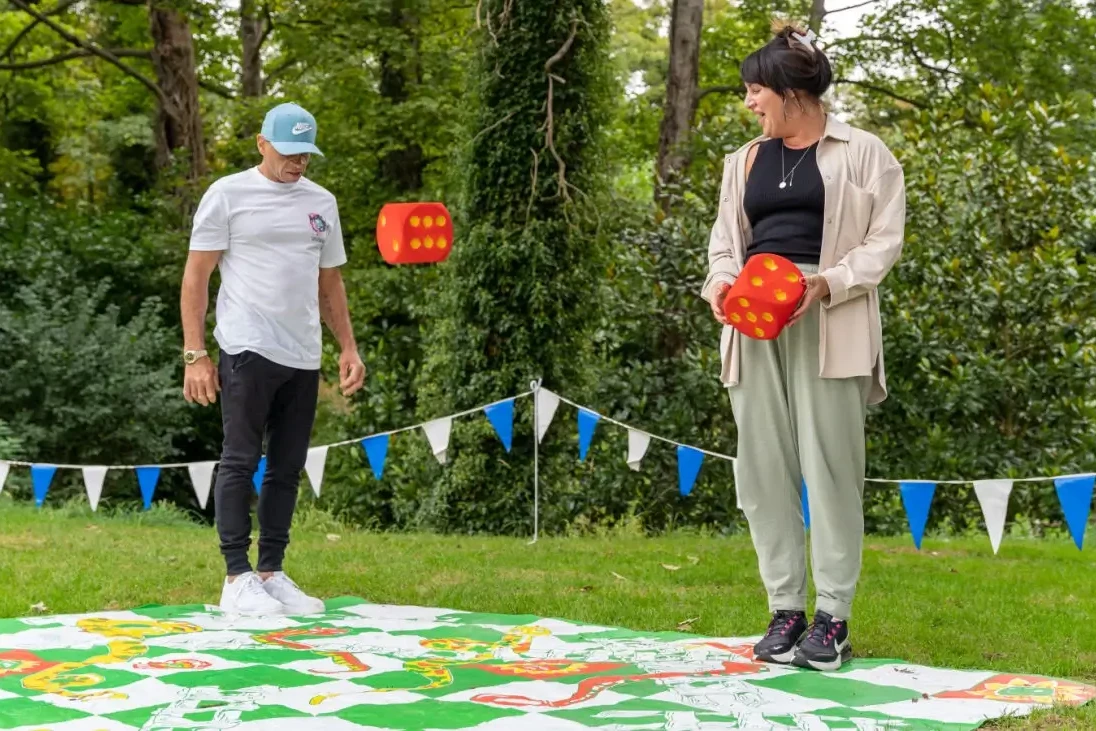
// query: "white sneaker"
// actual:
[[296, 602], [245, 596]]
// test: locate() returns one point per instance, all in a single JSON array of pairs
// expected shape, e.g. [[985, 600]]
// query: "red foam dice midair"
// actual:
[[414, 233]]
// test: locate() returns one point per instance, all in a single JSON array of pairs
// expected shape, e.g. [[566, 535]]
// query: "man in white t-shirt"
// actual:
[[278, 241]]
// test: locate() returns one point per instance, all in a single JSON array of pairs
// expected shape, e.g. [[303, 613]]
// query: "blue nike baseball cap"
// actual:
[[291, 130]]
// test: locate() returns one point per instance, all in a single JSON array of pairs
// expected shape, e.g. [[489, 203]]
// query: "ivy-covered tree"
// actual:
[[518, 296]]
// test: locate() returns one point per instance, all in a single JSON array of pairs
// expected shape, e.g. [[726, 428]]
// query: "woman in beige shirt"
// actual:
[[831, 198]]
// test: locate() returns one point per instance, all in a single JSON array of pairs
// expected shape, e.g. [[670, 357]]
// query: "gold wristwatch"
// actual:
[[192, 356]]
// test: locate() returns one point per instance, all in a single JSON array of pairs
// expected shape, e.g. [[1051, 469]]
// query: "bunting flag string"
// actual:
[[1074, 491], [601, 417]]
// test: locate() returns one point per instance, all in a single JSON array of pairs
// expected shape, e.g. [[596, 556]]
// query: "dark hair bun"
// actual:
[[789, 62]]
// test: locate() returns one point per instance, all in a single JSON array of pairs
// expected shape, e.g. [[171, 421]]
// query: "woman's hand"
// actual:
[[817, 288], [717, 302]]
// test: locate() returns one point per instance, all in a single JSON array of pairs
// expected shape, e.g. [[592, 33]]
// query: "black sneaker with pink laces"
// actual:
[[780, 639], [826, 645]]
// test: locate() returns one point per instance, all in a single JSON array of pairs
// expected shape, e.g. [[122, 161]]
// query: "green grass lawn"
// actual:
[[1030, 609]]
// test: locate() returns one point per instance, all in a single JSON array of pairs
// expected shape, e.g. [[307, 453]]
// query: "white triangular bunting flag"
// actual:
[[201, 475], [547, 403], [4, 467], [437, 433], [93, 483], [637, 447], [314, 465], [993, 497]]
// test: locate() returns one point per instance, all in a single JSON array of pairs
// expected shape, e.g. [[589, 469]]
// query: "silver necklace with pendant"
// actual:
[[787, 179]]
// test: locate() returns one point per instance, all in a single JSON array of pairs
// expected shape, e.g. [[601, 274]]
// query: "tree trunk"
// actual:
[[403, 167], [179, 123], [251, 36], [818, 12], [686, 20]]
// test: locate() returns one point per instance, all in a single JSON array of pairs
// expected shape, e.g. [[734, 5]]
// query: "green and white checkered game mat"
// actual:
[[369, 666]]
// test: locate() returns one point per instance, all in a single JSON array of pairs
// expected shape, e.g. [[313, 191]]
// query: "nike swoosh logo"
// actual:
[[301, 128]]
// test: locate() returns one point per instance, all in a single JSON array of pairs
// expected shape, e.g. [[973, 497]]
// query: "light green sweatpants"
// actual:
[[794, 425]]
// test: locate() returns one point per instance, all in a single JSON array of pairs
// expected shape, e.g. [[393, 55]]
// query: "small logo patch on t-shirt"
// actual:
[[319, 226]]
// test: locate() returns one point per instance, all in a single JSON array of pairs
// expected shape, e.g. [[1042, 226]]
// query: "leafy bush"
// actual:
[[10, 446], [990, 319], [61, 247], [84, 386]]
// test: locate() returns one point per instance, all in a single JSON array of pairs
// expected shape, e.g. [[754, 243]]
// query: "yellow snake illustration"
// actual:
[[284, 638], [61, 678], [437, 670]]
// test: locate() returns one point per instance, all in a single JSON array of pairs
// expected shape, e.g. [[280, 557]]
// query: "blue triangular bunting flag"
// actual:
[[1075, 495], [587, 423], [501, 416], [806, 505], [147, 477], [688, 467], [376, 451], [41, 475], [257, 478], [917, 500]]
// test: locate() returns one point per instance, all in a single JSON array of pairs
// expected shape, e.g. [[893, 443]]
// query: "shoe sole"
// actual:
[[821, 665], [236, 612], [301, 612], [782, 658]]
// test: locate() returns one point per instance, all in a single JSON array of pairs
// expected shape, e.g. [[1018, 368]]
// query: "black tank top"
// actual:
[[786, 221]]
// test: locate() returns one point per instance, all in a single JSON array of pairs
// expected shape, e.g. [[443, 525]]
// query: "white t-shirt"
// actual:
[[275, 238]]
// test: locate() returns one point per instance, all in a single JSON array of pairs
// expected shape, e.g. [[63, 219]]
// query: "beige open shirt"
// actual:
[[862, 234]]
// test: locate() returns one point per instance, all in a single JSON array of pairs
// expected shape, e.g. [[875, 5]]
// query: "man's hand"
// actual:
[[717, 302], [200, 382], [817, 288], [351, 372]]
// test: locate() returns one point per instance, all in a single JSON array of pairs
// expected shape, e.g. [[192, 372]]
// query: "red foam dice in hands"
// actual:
[[414, 233], [764, 296]]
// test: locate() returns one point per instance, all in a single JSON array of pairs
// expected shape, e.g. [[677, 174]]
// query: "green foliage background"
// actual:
[[990, 317]]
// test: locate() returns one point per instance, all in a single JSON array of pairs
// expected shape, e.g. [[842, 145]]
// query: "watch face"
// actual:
[[189, 357]]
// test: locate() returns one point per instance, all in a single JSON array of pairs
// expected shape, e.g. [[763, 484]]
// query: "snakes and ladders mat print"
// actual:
[[370, 666]]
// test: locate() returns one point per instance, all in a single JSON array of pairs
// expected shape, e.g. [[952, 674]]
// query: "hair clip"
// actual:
[[807, 40]]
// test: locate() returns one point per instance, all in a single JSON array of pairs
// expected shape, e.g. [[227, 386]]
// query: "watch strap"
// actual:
[[191, 356]]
